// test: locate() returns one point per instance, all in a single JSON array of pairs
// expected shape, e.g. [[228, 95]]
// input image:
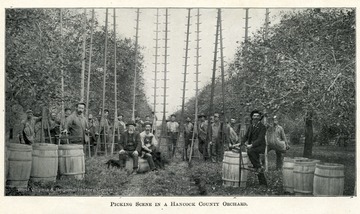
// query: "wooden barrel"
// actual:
[[129, 163], [44, 162], [304, 176], [230, 169], [288, 175], [19, 165], [143, 165], [328, 179], [71, 161]]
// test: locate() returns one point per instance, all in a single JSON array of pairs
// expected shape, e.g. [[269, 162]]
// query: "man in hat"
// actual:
[[202, 129], [28, 130], [130, 145], [76, 125], [254, 139], [148, 145], [172, 131], [188, 134]]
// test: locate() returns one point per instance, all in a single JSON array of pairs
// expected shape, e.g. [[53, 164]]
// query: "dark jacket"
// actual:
[[125, 142], [255, 135]]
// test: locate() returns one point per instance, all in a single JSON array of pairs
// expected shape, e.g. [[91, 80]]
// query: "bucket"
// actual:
[[288, 175], [19, 165], [71, 161], [230, 169], [44, 162], [304, 176], [328, 179], [143, 165]]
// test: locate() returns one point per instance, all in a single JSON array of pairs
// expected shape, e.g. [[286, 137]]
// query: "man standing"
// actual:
[[216, 141], [76, 125], [281, 138], [255, 139], [255, 142], [235, 126], [211, 119], [172, 131], [148, 145], [130, 145], [119, 128], [154, 121], [93, 132], [203, 145], [139, 124], [53, 128], [105, 127], [28, 130], [147, 120], [188, 133]]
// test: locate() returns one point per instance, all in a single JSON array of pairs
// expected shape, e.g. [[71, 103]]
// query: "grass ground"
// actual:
[[177, 179]]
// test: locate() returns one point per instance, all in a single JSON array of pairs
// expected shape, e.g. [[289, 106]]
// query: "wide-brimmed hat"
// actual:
[[29, 111], [256, 112], [81, 103], [147, 123], [201, 115], [131, 122]]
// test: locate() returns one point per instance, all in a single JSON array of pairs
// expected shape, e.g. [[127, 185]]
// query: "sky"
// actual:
[[233, 23]]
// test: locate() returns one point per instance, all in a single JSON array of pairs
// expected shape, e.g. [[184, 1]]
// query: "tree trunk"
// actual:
[[308, 135]]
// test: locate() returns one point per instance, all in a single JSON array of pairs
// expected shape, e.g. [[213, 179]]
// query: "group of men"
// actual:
[[215, 137], [136, 138]]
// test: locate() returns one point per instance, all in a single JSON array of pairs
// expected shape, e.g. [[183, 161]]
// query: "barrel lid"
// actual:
[[44, 146], [70, 147], [19, 146], [330, 165], [307, 161]]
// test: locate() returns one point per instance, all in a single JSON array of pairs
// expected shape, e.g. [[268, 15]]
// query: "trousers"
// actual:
[[122, 159], [150, 160], [203, 148], [279, 158], [254, 155], [216, 151]]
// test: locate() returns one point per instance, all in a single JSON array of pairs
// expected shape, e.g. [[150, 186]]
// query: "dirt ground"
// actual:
[[178, 179]]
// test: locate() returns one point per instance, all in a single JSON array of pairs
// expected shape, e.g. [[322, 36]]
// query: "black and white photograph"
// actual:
[[208, 107]]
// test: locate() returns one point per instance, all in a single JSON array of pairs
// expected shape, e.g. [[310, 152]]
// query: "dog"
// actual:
[[113, 163], [159, 163]]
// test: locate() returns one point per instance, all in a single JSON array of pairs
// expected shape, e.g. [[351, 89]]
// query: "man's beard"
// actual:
[[79, 112]]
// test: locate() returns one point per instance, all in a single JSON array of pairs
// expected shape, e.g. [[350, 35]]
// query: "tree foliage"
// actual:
[[306, 65], [36, 53]]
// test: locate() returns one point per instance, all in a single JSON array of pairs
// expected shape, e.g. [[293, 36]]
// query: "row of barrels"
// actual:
[[42, 162], [304, 176]]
